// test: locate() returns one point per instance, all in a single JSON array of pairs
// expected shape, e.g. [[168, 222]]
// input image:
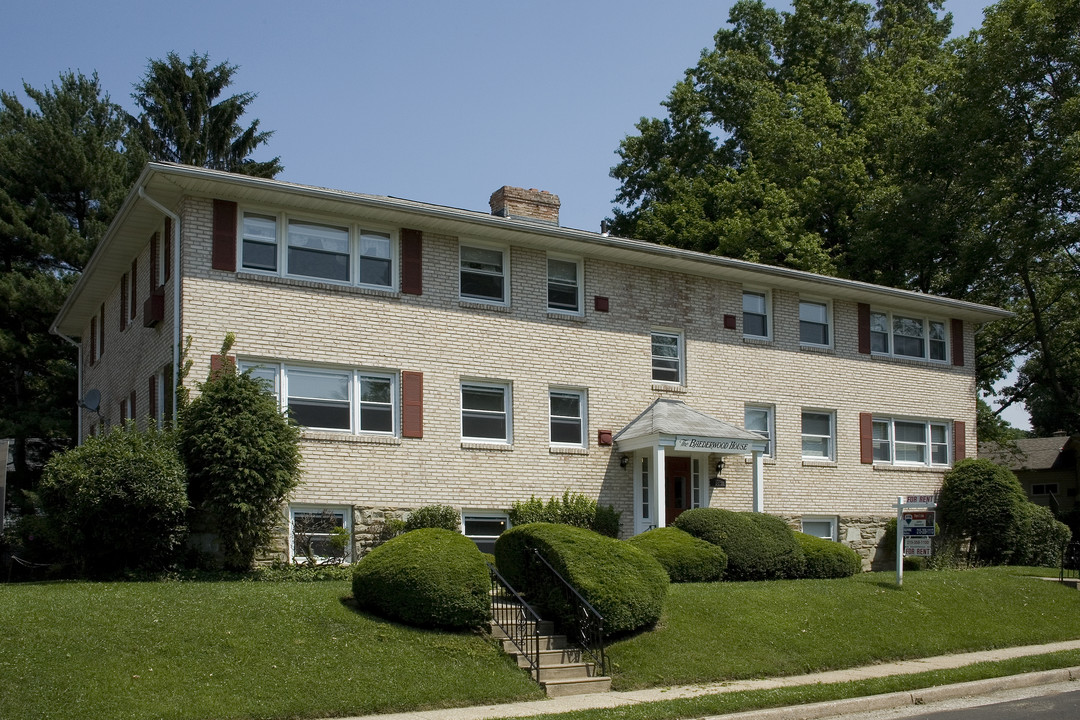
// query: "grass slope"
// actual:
[[713, 632], [229, 650]]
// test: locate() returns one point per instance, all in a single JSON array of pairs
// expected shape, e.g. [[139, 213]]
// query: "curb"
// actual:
[[922, 696]]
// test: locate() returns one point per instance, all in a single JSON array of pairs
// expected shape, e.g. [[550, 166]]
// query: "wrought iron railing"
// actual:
[[583, 625], [1070, 561], [517, 620]]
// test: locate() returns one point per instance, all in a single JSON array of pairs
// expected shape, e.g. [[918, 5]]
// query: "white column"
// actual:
[[660, 485], [759, 484]]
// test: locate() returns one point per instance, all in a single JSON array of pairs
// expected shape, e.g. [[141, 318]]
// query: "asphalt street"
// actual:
[[1059, 701]]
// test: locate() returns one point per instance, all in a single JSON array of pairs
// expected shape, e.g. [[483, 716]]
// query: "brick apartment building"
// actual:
[[439, 355]]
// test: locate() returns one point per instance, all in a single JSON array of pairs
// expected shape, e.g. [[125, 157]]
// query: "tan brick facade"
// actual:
[[523, 345]]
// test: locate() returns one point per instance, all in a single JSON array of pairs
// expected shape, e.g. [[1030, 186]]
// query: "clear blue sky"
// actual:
[[441, 102]]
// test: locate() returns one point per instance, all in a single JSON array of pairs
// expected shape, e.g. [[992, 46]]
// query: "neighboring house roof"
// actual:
[[1046, 453], [674, 417], [167, 183]]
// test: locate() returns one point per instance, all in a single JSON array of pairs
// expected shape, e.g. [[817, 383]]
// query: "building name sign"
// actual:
[[693, 442]]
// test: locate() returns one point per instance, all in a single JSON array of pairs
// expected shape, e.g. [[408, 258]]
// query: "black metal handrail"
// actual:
[[1070, 560], [516, 618], [586, 623]]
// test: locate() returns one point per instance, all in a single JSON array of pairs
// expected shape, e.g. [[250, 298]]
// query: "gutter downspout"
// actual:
[[78, 371], [176, 294]]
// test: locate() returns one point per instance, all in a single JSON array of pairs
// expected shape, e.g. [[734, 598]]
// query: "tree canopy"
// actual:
[[856, 140]]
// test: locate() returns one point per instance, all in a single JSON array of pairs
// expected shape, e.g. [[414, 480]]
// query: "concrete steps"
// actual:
[[563, 670]]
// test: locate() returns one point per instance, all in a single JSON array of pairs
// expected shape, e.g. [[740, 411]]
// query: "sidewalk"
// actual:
[[904, 667]]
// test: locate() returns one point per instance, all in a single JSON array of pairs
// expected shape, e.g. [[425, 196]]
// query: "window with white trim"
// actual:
[[760, 419], [484, 274], [667, 357], [818, 435], [695, 483], [755, 315], [1044, 489], [320, 535], [819, 526], [814, 323], [911, 442], [566, 416], [908, 337], [484, 528], [485, 412], [357, 401], [347, 254], [645, 509], [564, 285]]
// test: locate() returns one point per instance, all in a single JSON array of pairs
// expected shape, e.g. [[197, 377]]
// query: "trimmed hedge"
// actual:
[[684, 557], [574, 509], [428, 578], [758, 546], [984, 503], [624, 584], [433, 516], [827, 559]]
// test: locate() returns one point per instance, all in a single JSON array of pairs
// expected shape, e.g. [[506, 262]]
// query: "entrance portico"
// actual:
[[671, 445]]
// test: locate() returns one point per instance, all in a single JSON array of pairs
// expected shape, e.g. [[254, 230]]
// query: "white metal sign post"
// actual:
[[917, 526]]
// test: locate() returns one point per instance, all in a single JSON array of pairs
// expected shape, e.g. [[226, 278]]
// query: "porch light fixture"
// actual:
[[718, 482], [624, 461]]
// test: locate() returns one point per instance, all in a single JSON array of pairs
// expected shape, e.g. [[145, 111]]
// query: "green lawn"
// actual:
[[284, 649]]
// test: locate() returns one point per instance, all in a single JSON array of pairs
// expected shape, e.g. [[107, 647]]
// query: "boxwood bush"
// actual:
[[758, 546], [433, 516], [427, 578], [684, 557], [827, 559], [624, 584]]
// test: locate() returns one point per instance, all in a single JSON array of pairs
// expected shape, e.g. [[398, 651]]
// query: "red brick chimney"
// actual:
[[522, 204]]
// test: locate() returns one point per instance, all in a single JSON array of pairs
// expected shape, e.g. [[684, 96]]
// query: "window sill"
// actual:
[[911, 361], [572, 317], [752, 340], [911, 468], [320, 436], [492, 446], [480, 305], [822, 349], [557, 450], [667, 387], [316, 284], [819, 463]]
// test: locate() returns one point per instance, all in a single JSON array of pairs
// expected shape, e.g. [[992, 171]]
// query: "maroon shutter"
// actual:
[[958, 342], [123, 302], [155, 271], [151, 397], [123, 411], [864, 329], [223, 256], [134, 288], [866, 438], [101, 337], [412, 404], [93, 340], [131, 406], [412, 262], [217, 363], [168, 250], [959, 428]]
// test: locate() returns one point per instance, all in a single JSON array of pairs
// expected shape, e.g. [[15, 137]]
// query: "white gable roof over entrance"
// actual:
[[674, 423]]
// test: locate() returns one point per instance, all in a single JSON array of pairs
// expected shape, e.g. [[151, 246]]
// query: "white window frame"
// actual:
[[831, 414], [644, 486], [767, 295], [583, 415], [505, 274], [829, 325], [830, 519], [354, 231], [280, 374], [346, 516], [770, 419], [507, 411], [928, 441], [1048, 489], [697, 484], [680, 347], [890, 318], [483, 516], [579, 286]]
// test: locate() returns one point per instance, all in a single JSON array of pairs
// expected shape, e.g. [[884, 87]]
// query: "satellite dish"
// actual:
[[92, 400]]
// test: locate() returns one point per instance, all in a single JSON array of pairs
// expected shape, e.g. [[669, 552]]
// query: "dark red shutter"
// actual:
[[151, 397], [217, 363], [155, 271], [101, 337], [93, 340], [959, 428], [223, 256], [123, 411], [168, 250], [412, 262], [866, 438], [864, 329], [412, 404], [958, 342], [131, 406], [134, 288], [123, 301]]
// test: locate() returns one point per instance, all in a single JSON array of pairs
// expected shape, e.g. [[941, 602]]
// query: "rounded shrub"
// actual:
[[118, 501], [827, 559], [434, 516], [428, 578], [1043, 538], [684, 557], [758, 546], [624, 584], [985, 504]]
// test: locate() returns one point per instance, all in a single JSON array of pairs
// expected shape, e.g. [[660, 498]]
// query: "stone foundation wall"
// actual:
[[861, 533]]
